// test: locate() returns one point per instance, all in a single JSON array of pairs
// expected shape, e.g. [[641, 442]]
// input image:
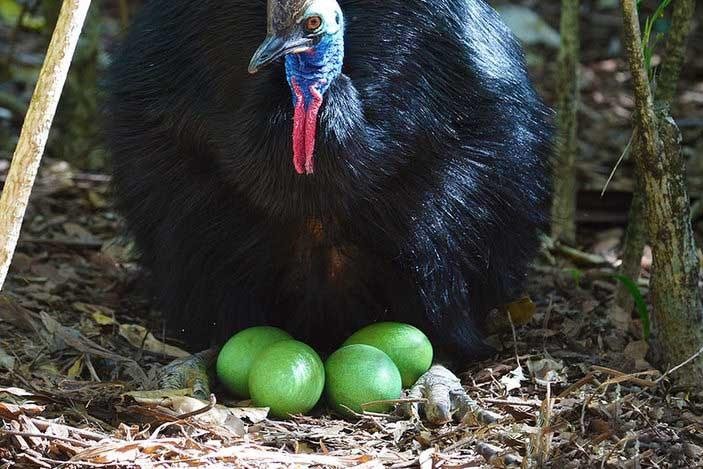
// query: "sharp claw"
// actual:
[[440, 384], [445, 399], [462, 405], [411, 409], [469, 412], [438, 410]]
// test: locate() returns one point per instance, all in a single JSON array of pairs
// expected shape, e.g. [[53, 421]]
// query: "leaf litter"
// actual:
[[80, 347], [79, 367]]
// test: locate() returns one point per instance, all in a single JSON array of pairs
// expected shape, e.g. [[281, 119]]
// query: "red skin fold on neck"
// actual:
[[299, 130], [305, 128], [311, 129]]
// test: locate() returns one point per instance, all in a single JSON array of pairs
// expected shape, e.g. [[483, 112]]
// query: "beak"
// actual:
[[274, 47]]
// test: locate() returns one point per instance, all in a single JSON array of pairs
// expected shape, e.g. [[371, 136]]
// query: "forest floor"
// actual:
[[79, 342]]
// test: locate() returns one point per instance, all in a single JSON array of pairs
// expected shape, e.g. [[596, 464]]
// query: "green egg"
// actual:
[[359, 374], [406, 345], [288, 378], [236, 357]]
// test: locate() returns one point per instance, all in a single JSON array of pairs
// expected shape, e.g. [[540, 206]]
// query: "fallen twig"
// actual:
[[678, 367], [619, 377]]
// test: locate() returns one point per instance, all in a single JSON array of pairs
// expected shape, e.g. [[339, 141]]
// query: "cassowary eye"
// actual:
[[312, 24]]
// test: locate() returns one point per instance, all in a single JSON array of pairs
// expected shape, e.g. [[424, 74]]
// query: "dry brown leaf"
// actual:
[[522, 310], [7, 362], [139, 337], [97, 200], [572, 327], [47, 271], [547, 370], [113, 453], [119, 252], [637, 350], [77, 231], [600, 426], [252, 414], [101, 312], [17, 315], [67, 337], [102, 320], [16, 392], [180, 405], [21, 263], [75, 370], [13, 411], [513, 379]]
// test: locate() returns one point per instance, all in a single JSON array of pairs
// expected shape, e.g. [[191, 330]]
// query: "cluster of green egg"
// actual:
[[373, 366]]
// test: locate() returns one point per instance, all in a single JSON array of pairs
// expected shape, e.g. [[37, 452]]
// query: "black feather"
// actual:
[[430, 188]]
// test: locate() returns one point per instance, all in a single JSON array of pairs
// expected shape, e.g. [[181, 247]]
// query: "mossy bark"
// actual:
[[675, 53], [564, 205], [676, 298], [666, 83]]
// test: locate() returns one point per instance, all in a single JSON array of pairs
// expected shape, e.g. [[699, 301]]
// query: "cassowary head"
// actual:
[[310, 35]]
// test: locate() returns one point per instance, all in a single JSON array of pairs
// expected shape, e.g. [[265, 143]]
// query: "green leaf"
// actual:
[[640, 304], [576, 274], [9, 11], [649, 44]]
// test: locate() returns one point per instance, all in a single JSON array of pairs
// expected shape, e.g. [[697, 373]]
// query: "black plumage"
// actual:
[[430, 187]]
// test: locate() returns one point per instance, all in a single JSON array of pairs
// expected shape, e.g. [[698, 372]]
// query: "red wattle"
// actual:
[[305, 128], [311, 129], [299, 119]]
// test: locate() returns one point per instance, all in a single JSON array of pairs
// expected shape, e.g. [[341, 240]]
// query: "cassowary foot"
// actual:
[[191, 373], [438, 395]]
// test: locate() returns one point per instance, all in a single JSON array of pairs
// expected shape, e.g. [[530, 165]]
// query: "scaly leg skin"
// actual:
[[444, 400], [192, 373]]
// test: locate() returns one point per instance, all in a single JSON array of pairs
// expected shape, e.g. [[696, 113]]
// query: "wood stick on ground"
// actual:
[[35, 131]]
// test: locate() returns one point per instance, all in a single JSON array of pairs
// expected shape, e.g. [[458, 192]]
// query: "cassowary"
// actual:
[[366, 160]]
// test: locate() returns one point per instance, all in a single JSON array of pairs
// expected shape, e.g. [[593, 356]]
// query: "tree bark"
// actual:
[[564, 204], [677, 308], [635, 240], [37, 124], [667, 80], [675, 53]]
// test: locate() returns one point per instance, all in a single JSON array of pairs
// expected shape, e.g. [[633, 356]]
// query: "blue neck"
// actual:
[[317, 67]]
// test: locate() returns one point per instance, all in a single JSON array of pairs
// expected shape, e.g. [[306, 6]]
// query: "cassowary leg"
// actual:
[[442, 396], [439, 395], [193, 373]]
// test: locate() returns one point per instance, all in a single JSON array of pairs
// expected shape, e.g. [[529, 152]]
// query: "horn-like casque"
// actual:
[[282, 13]]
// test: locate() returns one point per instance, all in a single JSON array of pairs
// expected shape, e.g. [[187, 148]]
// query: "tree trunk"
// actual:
[[564, 205], [677, 312], [635, 240], [668, 78], [675, 54], [35, 130]]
